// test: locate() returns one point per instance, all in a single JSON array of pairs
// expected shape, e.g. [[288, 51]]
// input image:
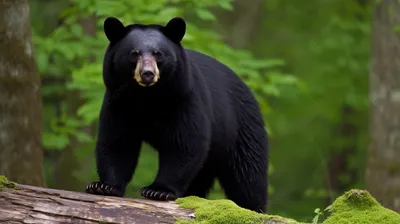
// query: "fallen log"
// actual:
[[28, 204]]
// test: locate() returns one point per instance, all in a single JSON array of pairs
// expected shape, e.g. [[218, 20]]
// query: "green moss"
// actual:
[[222, 211], [5, 183], [353, 207], [359, 207]]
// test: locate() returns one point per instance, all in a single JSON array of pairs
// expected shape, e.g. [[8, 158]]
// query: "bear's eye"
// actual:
[[134, 53], [157, 54]]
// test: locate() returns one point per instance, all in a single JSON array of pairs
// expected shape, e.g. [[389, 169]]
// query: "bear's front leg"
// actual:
[[117, 150], [181, 157], [116, 163]]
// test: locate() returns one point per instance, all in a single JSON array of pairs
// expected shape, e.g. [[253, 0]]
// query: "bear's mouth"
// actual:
[[147, 78], [146, 72]]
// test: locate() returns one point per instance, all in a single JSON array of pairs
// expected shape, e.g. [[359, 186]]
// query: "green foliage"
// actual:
[[69, 47], [320, 213], [319, 111], [72, 56], [329, 51], [88, 79]]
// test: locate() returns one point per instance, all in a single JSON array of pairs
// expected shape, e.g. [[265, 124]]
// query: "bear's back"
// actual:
[[233, 103], [220, 79], [211, 68]]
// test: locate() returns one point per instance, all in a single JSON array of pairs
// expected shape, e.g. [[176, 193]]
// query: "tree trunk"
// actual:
[[383, 166], [21, 155]]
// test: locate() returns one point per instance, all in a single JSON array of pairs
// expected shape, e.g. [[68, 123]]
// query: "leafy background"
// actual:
[[306, 61]]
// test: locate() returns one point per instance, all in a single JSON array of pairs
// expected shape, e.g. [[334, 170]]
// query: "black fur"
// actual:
[[201, 118]]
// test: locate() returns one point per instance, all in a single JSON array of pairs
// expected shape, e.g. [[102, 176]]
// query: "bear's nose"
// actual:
[[147, 76]]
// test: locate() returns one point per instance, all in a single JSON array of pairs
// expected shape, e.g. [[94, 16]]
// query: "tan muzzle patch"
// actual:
[[146, 72]]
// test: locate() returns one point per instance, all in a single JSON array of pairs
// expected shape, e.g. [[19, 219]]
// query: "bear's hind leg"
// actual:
[[245, 186], [203, 182], [244, 174]]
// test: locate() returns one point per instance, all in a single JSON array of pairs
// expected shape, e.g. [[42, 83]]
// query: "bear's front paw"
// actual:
[[157, 193], [100, 188]]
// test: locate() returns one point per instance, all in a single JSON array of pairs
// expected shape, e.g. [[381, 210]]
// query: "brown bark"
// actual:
[[21, 155], [383, 166], [42, 205]]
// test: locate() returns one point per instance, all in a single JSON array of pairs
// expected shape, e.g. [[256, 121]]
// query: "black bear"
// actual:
[[204, 122]]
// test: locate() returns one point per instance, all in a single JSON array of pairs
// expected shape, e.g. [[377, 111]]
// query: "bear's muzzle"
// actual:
[[146, 72]]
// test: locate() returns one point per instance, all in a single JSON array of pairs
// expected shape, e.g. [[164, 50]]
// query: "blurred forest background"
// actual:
[[308, 62]]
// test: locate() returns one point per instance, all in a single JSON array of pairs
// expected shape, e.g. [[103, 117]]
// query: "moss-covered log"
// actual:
[[29, 204]]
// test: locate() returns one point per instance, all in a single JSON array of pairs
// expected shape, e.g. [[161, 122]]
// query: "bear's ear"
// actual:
[[114, 29], [175, 29]]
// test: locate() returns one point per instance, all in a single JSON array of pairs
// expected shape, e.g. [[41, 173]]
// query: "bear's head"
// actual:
[[145, 53]]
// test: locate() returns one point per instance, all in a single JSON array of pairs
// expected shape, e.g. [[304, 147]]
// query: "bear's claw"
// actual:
[[100, 188], [157, 194]]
